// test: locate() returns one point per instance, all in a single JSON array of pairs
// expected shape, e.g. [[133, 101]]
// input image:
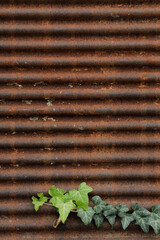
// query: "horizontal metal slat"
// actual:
[[79, 93], [80, 11], [79, 76], [88, 61], [80, 108], [96, 124], [80, 140], [102, 156], [111, 44], [91, 28], [79, 173]]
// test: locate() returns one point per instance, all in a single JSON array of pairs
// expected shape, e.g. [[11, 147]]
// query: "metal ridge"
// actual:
[[111, 44], [119, 61], [92, 28], [81, 11], [38, 77], [78, 93], [80, 108], [101, 156], [51, 124]]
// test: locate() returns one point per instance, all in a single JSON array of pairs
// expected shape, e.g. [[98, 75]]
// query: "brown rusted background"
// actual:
[[79, 101]]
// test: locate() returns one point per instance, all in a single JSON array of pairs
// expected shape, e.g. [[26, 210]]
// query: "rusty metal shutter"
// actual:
[[79, 101]]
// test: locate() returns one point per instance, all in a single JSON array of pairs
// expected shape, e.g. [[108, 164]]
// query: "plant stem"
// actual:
[[48, 204], [57, 222], [74, 210]]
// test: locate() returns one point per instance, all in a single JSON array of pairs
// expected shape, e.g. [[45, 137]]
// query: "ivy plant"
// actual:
[[77, 201]]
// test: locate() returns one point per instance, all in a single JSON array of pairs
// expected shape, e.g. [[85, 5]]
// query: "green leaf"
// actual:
[[99, 204], [81, 196], [126, 220], [98, 200], [39, 202], [142, 222], [98, 219], [110, 214], [84, 187], [135, 206], [143, 212], [139, 210], [56, 192], [86, 216], [53, 201], [122, 208], [99, 208], [154, 222], [109, 210], [111, 219], [156, 209], [67, 197], [64, 208]]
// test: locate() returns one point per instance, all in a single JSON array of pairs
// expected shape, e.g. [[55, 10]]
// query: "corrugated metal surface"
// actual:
[[79, 101]]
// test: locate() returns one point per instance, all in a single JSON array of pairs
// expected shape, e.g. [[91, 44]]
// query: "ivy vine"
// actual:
[[78, 201]]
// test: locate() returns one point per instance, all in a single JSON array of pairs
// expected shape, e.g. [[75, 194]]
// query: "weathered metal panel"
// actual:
[[79, 101]]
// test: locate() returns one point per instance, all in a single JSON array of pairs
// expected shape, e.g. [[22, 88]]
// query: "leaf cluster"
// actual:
[[140, 215], [78, 201], [64, 201], [103, 210]]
